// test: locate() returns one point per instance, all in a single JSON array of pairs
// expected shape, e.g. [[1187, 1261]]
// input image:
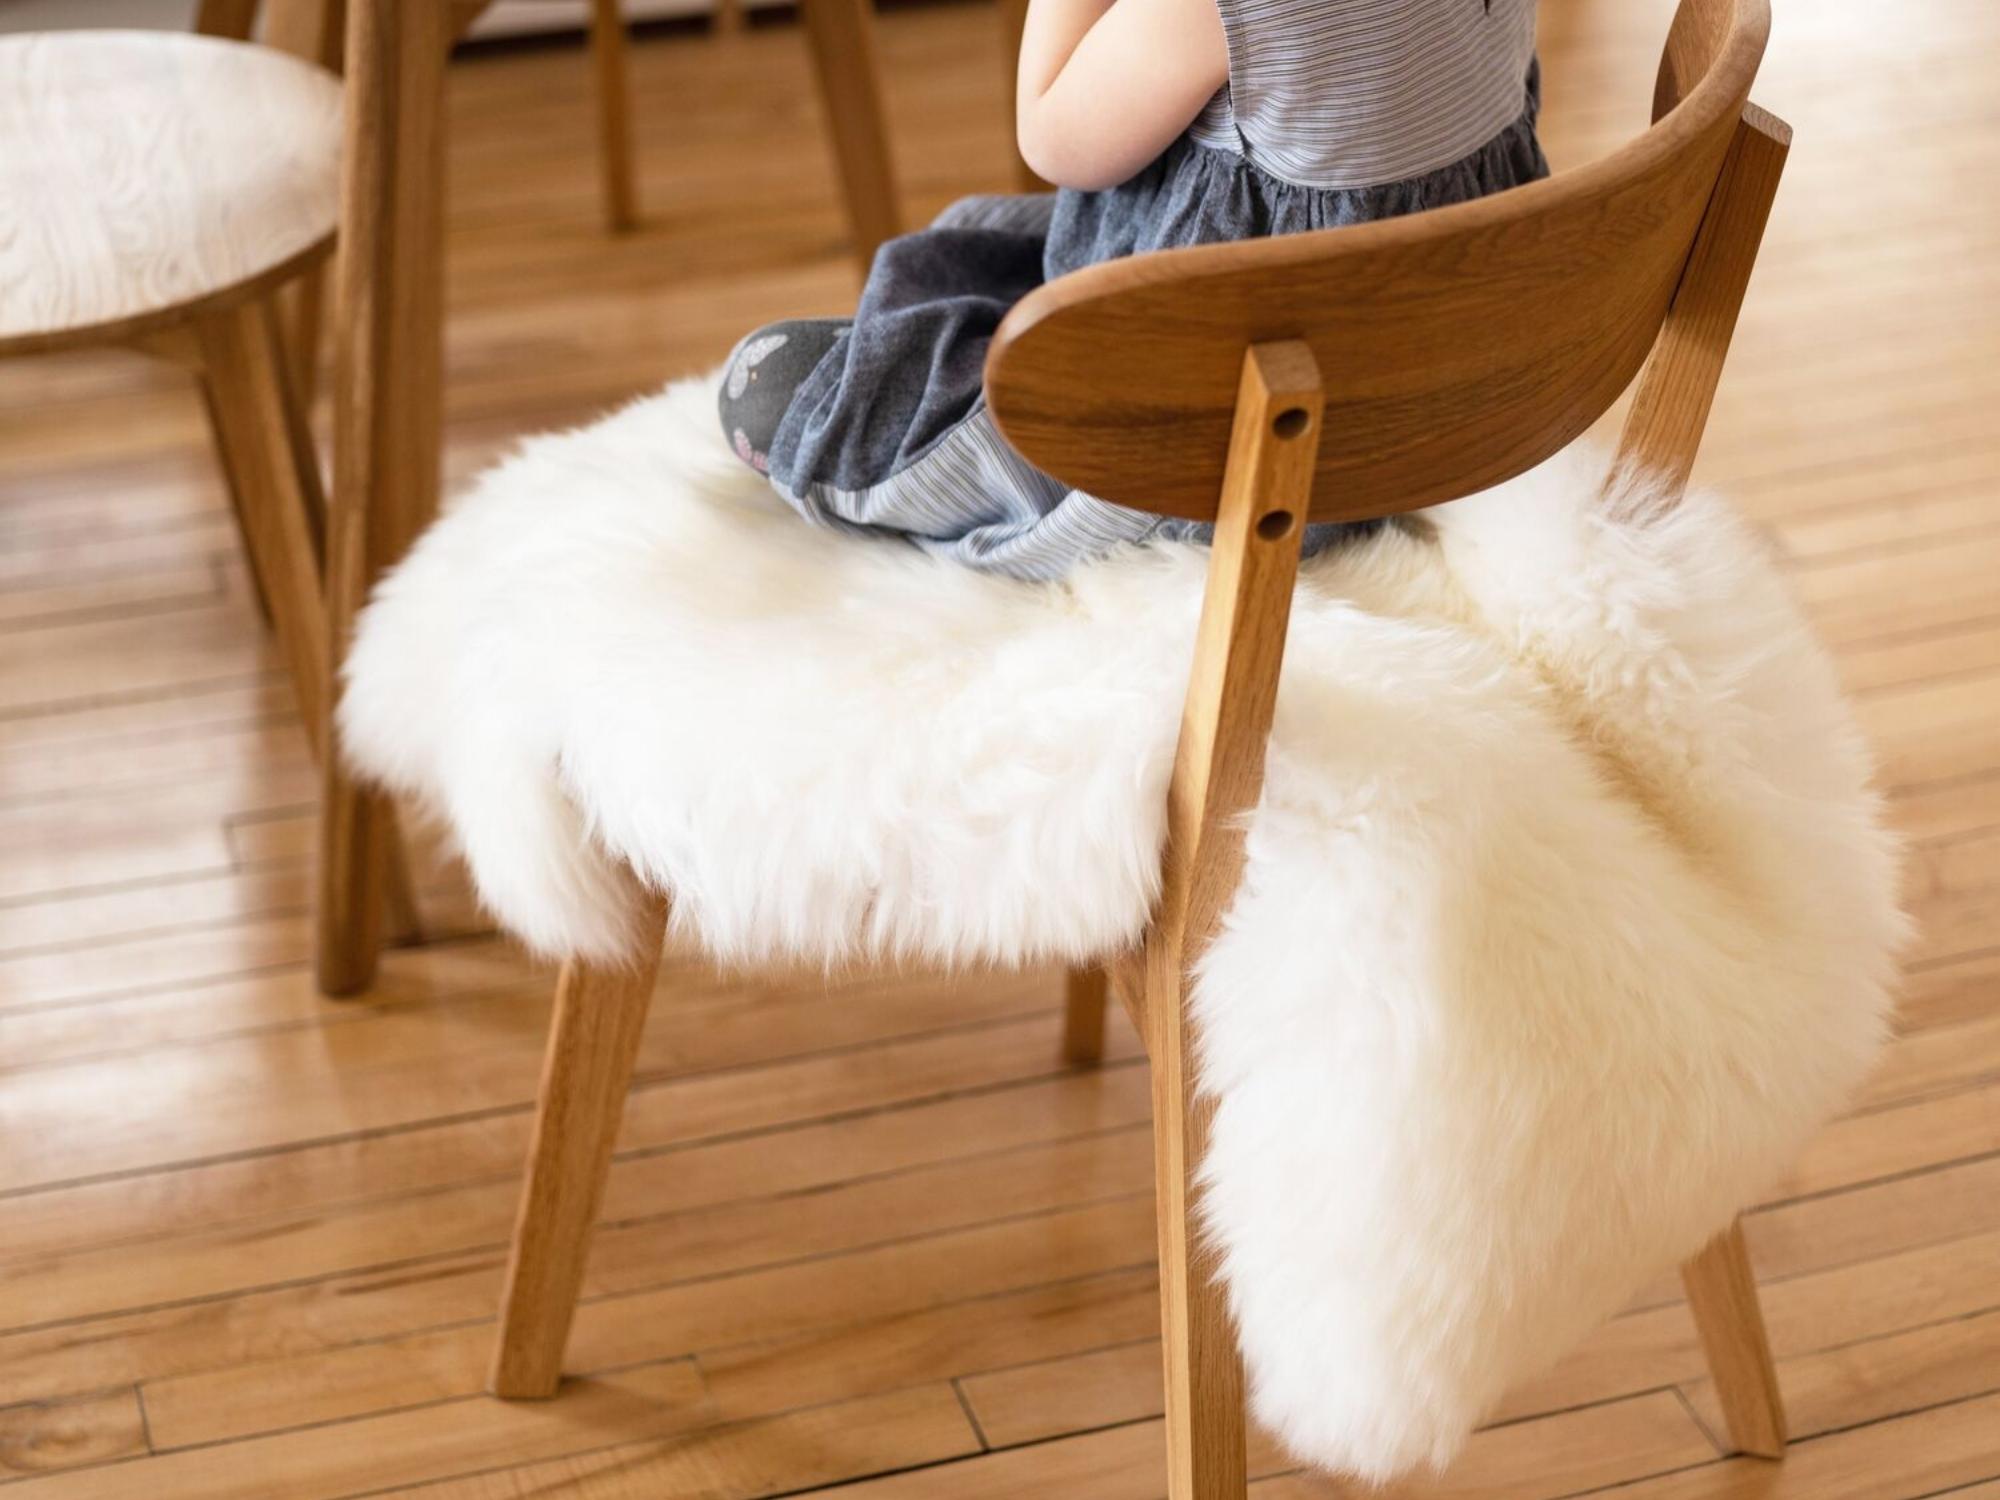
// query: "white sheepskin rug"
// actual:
[[1567, 914]]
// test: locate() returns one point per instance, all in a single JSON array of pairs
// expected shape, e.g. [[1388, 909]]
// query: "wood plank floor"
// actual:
[[871, 1235]]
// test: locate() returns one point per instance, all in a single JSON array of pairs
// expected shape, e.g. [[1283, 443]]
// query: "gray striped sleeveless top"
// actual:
[[1353, 93]]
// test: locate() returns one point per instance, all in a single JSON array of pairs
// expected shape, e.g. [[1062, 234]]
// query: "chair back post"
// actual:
[[1218, 776], [1663, 429]]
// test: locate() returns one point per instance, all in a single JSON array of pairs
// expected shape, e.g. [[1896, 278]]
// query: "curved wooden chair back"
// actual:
[[1456, 348]]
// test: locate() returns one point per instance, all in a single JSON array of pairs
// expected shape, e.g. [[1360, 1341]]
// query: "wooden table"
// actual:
[[389, 352]]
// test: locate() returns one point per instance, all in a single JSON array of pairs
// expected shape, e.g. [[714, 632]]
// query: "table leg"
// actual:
[[842, 34], [388, 403]]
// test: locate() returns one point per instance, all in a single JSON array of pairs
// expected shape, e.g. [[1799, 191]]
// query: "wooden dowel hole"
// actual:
[[1275, 525], [1291, 422]]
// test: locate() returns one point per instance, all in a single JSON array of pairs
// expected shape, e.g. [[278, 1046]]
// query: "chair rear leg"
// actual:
[[1085, 994], [593, 1047], [1722, 1291], [841, 34], [249, 403], [609, 56]]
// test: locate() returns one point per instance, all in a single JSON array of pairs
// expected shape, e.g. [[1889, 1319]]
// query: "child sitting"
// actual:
[[1166, 123]]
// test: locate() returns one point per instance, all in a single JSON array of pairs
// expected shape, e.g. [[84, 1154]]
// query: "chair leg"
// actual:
[[1218, 776], [387, 430], [593, 1047], [300, 311], [249, 402], [842, 34], [1086, 993], [260, 591], [614, 114], [266, 449], [1206, 1447], [1722, 1291]]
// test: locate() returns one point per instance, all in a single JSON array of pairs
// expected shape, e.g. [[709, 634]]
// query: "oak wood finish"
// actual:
[[180, 187], [593, 1046], [388, 405], [282, 1223], [226, 18], [1085, 992], [1708, 171], [1461, 347], [272, 468], [1218, 776], [1722, 1292], [314, 30], [388, 410], [1670, 408], [614, 114], [842, 36]]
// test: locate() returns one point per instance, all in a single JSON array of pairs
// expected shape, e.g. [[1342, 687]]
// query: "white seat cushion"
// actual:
[[1566, 914]]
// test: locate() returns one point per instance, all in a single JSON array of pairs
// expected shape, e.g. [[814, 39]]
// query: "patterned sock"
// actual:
[[764, 373]]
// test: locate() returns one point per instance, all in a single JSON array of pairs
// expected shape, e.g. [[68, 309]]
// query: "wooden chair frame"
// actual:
[[1267, 495], [1218, 770]]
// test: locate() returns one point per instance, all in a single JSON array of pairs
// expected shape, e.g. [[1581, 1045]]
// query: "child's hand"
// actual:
[[1104, 88]]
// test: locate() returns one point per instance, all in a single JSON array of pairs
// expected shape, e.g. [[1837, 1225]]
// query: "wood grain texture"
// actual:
[[1722, 1294], [1670, 408], [388, 410], [1460, 346], [1218, 776], [849, 74], [593, 1047], [1085, 995], [845, 1201], [226, 18], [272, 469], [144, 175], [612, 71]]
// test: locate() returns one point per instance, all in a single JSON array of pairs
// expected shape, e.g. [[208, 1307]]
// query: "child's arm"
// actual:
[[1106, 85]]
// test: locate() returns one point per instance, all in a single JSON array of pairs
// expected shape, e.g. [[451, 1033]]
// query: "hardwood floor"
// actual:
[[873, 1234]]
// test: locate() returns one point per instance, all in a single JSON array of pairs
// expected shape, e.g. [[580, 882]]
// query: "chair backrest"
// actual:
[[1457, 347]]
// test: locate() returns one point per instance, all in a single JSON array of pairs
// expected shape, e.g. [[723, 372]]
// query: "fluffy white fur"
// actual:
[[1567, 913]]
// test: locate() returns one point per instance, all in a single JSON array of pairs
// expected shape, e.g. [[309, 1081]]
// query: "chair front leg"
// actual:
[[387, 426], [593, 1047], [1722, 1291], [1207, 1454]]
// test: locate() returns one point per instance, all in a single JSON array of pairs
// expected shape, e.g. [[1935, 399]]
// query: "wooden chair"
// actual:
[[387, 422], [177, 196], [1444, 353], [162, 193]]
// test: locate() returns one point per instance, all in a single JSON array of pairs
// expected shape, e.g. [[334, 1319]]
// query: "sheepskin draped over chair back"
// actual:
[[1458, 348]]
